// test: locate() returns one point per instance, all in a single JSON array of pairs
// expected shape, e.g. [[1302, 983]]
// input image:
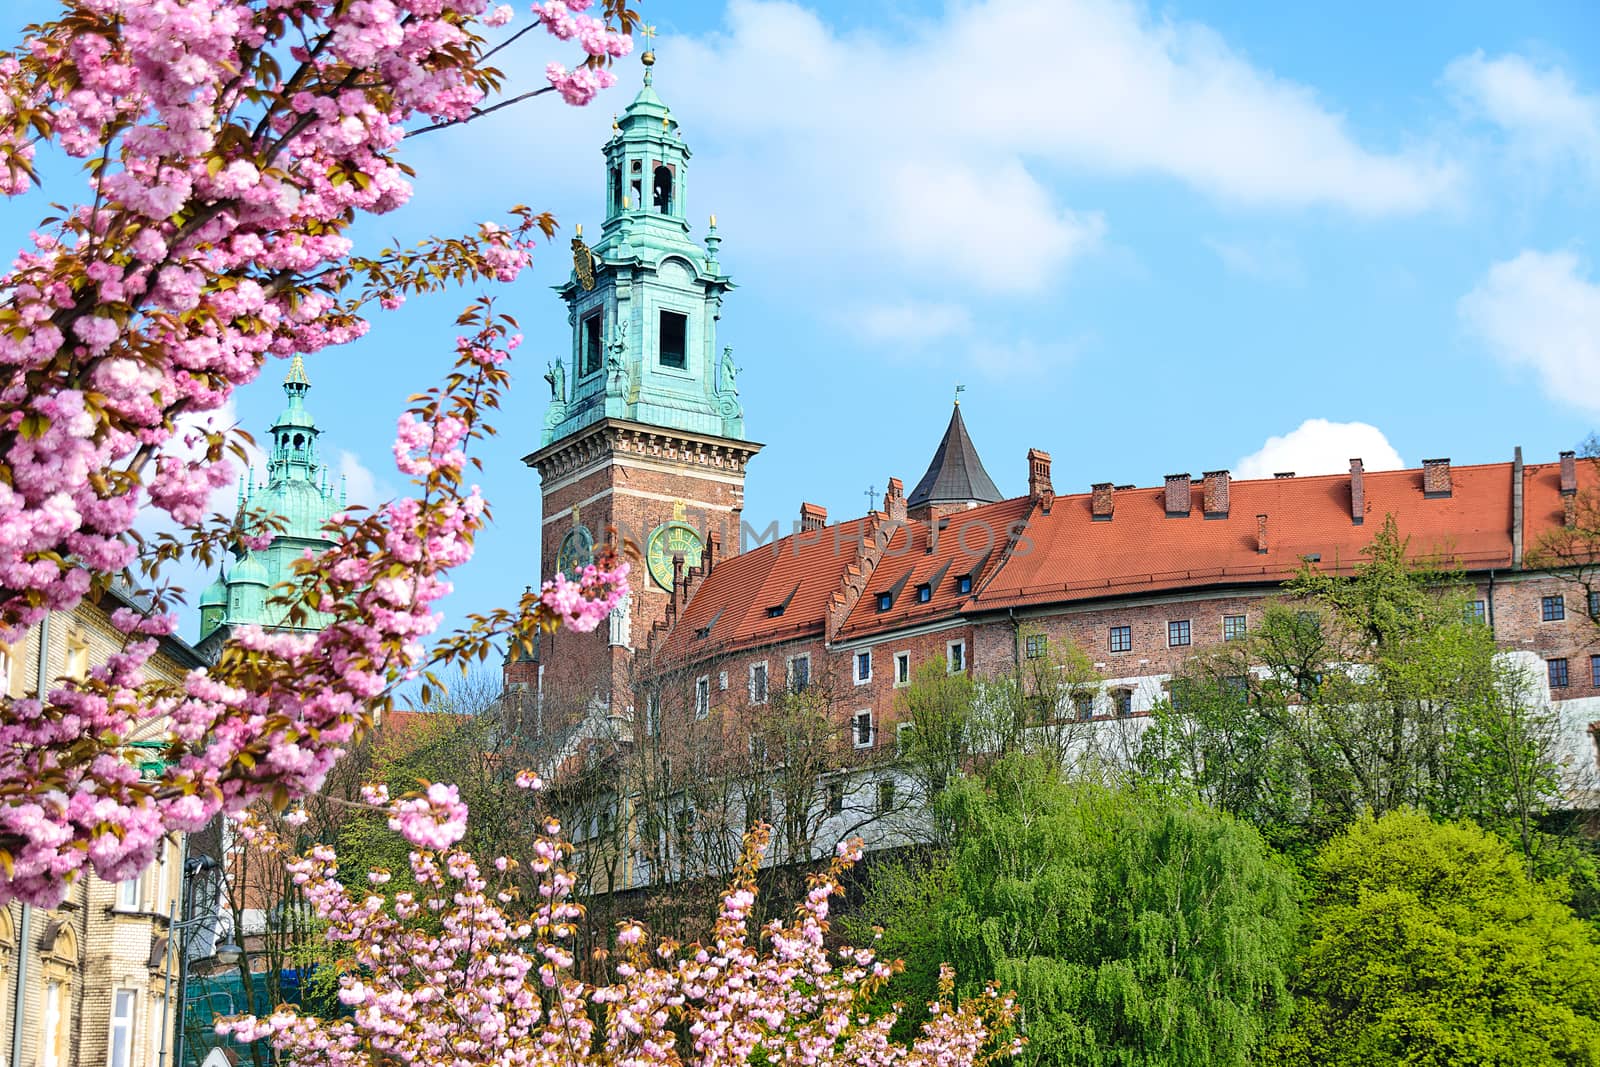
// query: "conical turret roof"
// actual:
[[956, 475]]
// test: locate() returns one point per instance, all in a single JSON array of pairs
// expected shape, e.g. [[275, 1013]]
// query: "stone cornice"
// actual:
[[621, 437]]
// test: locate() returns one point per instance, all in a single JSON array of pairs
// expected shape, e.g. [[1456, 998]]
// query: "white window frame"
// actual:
[[901, 729], [129, 894], [50, 1023], [702, 696], [5, 669], [855, 666], [77, 655], [950, 648], [122, 1027], [722, 681], [766, 683], [899, 658], [855, 728], [789, 674]]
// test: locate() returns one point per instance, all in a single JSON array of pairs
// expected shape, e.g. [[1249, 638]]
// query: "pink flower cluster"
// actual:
[[583, 604], [231, 145], [448, 978]]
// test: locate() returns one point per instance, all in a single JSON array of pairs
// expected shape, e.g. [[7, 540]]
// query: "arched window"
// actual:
[[299, 441], [59, 967], [662, 190]]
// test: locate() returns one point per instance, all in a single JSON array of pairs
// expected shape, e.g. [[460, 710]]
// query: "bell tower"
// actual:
[[645, 429]]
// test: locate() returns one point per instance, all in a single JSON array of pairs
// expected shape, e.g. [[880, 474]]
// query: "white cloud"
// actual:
[[361, 486], [1541, 109], [1318, 446], [1267, 261], [910, 323], [1539, 312]]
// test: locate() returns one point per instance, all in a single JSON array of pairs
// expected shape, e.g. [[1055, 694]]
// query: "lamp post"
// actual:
[[226, 953]]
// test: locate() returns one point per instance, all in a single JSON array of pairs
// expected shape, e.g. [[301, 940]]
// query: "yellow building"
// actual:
[[88, 979]]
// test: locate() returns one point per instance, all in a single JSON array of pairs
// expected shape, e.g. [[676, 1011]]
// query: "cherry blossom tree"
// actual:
[[454, 975], [229, 146]]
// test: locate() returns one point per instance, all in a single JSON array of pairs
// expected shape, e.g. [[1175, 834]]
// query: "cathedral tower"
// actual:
[[299, 489], [644, 431]]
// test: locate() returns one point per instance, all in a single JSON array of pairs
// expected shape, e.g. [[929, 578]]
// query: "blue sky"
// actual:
[[1147, 240]]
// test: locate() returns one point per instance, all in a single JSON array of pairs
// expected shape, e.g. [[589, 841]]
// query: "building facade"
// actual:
[[88, 979]]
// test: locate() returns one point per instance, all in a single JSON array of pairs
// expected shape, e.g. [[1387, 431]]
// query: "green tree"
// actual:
[[1135, 930], [1373, 691], [1430, 944]]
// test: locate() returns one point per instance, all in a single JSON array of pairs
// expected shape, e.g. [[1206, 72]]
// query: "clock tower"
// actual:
[[645, 430]]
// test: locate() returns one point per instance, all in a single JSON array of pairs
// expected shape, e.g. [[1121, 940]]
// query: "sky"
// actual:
[[1147, 239]]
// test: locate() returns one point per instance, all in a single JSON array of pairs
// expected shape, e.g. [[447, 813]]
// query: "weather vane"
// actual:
[[959, 390], [649, 35]]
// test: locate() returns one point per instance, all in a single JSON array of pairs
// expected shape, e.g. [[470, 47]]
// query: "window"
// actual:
[[1552, 608], [661, 192], [652, 714], [1594, 672], [1234, 627], [1177, 633], [702, 697], [1477, 611], [589, 357], [1237, 686], [956, 656], [1035, 645], [835, 797], [861, 728], [758, 683], [615, 183], [885, 601], [77, 655], [5, 670], [1558, 673], [50, 1028], [128, 895], [964, 584], [799, 673], [722, 681], [1122, 639], [924, 593], [1083, 704], [863, 667], [885, 796], [1594, 605], [120, 1051], [902, 668], [1122, 702], [902, 737], [674, 340]]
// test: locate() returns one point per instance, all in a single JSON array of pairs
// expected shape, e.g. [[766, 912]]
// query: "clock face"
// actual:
[[577, 552], [667, 540]]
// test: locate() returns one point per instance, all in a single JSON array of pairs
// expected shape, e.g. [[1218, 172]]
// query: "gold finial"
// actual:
[[579, 231], [713, 222], [649, 35], [624, 203], [959, 390]]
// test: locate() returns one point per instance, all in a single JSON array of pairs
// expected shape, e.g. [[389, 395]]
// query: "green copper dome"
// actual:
[[298, 490]]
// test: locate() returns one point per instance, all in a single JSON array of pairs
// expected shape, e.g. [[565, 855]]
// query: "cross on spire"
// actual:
[[872, 497]]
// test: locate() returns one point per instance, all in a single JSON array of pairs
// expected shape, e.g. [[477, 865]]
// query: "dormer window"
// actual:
[[673, 339], [661, 190], [964, 584], [924, 593], [774, 611], [885, 601]]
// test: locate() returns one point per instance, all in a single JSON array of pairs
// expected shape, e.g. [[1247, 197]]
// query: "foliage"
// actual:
[[453, 973], [1430, 944], [230, 146], [1374, 691], [1134, 930]]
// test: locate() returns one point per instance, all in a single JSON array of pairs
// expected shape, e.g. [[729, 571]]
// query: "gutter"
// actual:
[[19, 1000]]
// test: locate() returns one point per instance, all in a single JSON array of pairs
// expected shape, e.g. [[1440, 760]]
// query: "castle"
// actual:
[[647, 439]]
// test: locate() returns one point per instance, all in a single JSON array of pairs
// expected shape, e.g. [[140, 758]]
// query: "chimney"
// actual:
[[1038, 475], [1101, 501], [1569, 510], [708, 558], [1436, 477], [1177, 495], [1569, 474], [1284, 474], [1261, 534], [812, 517], [894, 500], [1358, 493], [1216, 503]]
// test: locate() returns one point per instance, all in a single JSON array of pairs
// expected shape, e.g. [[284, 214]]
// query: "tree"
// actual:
[[455, 972], [1375, 692], [230, 146], [1430, 944], [1134, 930]]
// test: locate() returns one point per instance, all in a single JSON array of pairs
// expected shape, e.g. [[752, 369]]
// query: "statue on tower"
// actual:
[[728, 374], [616, 366]]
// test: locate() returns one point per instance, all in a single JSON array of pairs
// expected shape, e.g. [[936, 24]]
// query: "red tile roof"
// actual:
[[1067, 556]]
